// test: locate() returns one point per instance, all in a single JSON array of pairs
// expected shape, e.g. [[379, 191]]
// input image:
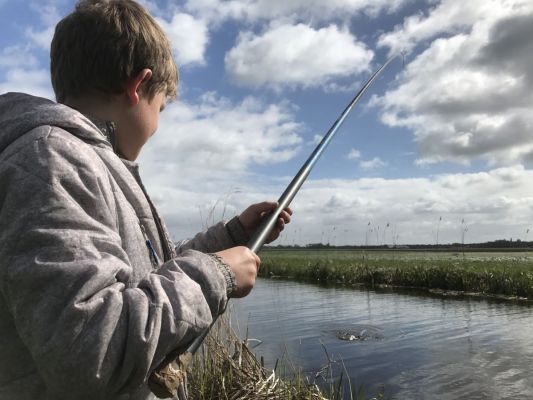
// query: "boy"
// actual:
[[93, 294]]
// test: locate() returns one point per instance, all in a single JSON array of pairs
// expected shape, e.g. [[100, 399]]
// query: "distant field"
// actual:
[[505, 273]]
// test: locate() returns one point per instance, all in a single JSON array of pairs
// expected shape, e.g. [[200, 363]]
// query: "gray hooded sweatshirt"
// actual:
[[93, 295]]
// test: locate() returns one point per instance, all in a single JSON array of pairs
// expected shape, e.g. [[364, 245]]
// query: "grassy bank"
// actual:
[[231, 371], [506, 274], [225, 368]]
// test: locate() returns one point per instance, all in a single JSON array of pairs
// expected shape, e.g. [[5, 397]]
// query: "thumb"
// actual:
[[257, 261]]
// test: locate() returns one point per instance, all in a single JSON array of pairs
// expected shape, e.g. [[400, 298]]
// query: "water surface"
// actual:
[[429, 347]]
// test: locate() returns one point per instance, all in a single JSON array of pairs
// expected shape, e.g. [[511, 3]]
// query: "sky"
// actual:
[[440, 149]]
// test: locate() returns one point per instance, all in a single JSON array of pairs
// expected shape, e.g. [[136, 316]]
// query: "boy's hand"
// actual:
[[252, 216], [245, 264]]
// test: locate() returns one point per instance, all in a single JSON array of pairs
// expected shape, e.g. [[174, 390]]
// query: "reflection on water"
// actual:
[[429, 347]]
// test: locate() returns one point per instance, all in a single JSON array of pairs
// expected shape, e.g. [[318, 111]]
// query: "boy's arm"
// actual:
[[218, 237], [238, 231], [64, 277]]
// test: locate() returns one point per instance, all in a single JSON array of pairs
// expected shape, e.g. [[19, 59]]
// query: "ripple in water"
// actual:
[[356, 333]]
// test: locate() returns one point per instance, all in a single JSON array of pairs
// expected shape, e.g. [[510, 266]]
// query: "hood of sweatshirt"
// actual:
[[20, 113]]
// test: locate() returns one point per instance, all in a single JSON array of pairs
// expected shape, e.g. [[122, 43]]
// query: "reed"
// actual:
[[505, 275], [226, 368]]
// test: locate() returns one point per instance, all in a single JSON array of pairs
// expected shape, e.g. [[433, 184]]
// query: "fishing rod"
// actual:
[[263, 231], [259, 238]]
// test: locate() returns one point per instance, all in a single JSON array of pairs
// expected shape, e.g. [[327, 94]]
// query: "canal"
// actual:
[[407, 344]]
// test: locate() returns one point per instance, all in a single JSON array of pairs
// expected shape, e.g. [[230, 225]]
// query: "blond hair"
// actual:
[[103, 44]]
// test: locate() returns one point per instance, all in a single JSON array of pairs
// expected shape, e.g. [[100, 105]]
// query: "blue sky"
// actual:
[[440, 148]]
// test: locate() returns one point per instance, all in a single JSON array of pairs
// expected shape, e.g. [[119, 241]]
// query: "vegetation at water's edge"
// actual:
[[225, 368], [506, 274]]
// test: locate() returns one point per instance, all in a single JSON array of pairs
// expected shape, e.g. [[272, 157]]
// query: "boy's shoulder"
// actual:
[[45, 138], [53, 154], [25, 119]]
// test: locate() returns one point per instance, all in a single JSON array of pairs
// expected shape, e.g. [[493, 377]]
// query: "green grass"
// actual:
[[506, 274]]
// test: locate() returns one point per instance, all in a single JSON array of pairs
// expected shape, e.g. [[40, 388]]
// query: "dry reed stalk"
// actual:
[[219, 373]]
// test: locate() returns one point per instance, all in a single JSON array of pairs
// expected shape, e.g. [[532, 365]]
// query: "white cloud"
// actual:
[[374, 163], [494, 205], [448, 16], [202, 155], [469, 94], [49, 17], [189, 38], [21, 66], [296, 55], [354, 154], [43, 38], [317, 139], [17, 57], [47, 10], [294, 10], [217, 138], [32, 81]]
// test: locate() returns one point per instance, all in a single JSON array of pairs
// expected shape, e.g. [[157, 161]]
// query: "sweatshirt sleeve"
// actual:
[[65, 279], [218, 237]]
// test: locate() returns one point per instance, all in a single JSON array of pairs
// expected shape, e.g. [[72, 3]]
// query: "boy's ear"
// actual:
[[133, 87]]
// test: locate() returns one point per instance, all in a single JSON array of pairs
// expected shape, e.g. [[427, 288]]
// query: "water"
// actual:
[[428, 347]]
